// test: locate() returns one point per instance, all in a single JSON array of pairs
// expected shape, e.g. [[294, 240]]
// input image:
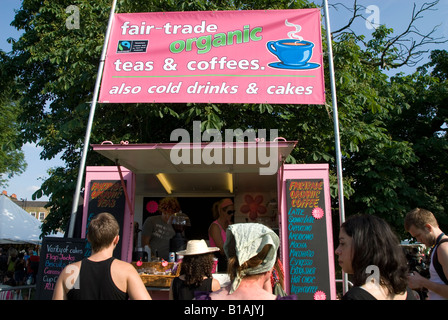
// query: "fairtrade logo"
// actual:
[[124, 46]]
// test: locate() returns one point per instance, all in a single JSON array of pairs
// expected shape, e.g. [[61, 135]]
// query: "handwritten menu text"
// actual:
[[307, 238], [56, 254]]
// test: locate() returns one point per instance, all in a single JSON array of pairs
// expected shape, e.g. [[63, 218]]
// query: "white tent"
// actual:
[[17, 225]]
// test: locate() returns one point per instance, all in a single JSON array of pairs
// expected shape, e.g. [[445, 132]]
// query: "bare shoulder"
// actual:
[[213, 226], [123, 264], [442, 249], [442, 252], [123, 267], [444, 245], [215, 285], [221, 294]]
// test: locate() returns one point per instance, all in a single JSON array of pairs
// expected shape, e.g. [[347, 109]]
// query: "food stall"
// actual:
[[293, 200]]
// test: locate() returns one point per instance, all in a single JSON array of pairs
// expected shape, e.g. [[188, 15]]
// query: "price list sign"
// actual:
[[307, 239], [55, 255]]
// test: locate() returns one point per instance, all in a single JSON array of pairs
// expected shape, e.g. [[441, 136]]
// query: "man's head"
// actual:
[[168, 206], [422, 225], [103, 231]]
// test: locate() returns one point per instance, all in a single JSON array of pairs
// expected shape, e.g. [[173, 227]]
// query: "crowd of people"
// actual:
[[364, 241], [368, 250], [18, 267]]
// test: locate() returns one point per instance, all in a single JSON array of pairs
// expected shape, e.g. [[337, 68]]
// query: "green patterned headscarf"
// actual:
[[249, 239]]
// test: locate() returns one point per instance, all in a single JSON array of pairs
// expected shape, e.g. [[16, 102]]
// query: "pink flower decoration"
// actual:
[[253, 207], [318, 213], [152, 206], [320, 295]]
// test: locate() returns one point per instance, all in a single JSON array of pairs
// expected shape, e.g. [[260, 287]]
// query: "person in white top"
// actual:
[[423, 226]]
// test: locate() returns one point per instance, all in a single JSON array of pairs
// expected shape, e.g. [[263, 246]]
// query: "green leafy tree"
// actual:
[[56, 68], [12, 159], [424, 125], [380, 160]]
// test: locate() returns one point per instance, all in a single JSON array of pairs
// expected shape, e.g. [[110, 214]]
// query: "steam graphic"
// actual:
[[293, 34]]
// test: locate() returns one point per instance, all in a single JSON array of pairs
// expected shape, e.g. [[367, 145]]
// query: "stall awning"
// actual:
[[213, 168]]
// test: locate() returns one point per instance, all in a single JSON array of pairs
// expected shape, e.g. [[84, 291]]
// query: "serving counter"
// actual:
[[157, 277], [293, 200]]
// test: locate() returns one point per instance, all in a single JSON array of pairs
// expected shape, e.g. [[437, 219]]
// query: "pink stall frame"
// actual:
[[112, 173], [305, 171]]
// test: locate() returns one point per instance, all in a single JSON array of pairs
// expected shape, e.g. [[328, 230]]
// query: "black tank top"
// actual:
[[181, 291], [95, 282]]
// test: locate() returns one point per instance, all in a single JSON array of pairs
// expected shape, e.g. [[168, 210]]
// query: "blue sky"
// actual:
[[394, 13], [27, 183]]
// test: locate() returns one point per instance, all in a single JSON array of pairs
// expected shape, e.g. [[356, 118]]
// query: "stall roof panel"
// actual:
[[236, 157]]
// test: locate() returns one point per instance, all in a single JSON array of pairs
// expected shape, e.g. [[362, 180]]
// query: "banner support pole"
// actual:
[[336, 128], [90, 123]]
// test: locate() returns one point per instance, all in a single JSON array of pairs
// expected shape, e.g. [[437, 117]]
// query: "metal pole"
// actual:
[[336, 127], [90, 123]]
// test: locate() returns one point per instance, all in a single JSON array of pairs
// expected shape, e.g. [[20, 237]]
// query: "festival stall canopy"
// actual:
[[16, 225]]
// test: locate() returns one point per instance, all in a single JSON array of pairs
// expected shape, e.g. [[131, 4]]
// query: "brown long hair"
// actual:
[[196, 267], [374, 243]]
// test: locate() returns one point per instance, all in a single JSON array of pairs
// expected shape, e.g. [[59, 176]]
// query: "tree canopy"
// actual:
[[393, 133], [12, 159]]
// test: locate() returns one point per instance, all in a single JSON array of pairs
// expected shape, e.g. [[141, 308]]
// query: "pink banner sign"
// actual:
[[272, 56]]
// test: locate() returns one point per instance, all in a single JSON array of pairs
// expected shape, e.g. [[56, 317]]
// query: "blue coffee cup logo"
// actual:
[[292, 52]]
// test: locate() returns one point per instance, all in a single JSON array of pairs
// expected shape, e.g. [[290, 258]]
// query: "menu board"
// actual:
[[107, 196], [55, 255], [307, 239]]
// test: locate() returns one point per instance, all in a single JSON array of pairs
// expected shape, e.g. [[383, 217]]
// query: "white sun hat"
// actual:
[[197, 247]]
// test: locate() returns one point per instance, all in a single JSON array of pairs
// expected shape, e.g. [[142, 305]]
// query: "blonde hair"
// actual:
[[217, 206]]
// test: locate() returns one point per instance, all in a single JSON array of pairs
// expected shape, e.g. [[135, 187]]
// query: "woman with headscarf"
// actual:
[[251, 249]]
